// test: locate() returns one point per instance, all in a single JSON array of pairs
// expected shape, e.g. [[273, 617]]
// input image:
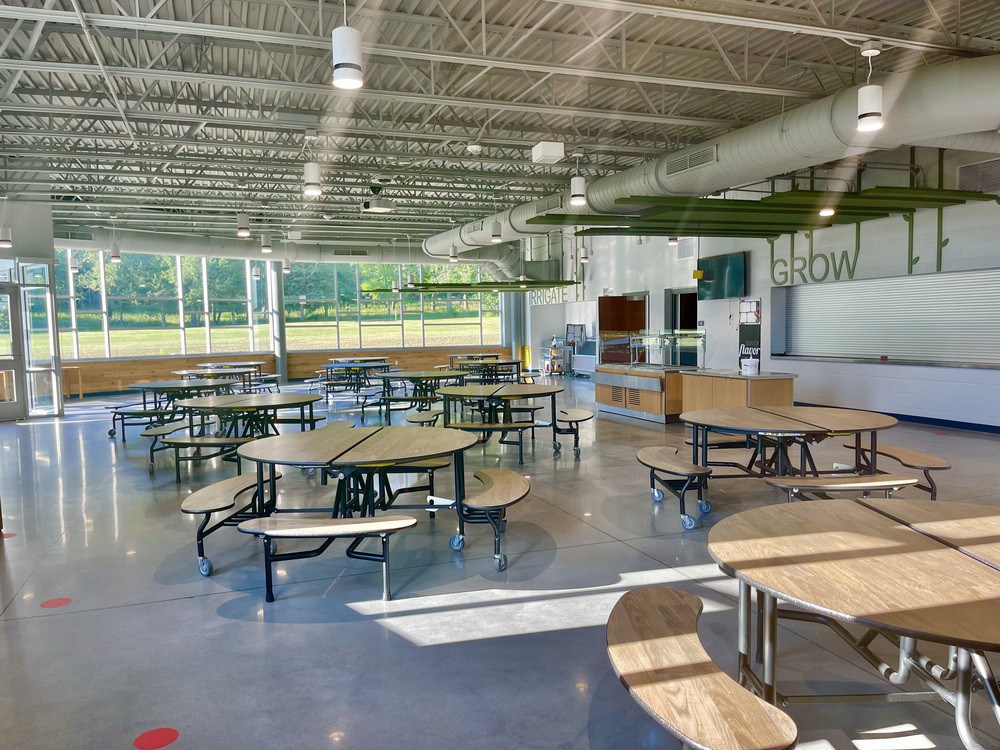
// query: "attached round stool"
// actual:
[[661, 459], [502, 488], [573, 417], [425, 418]]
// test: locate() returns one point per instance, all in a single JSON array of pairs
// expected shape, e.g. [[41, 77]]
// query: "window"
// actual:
[[143, 305]]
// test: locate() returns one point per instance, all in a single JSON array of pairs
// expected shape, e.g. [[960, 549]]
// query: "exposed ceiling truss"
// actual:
[[172, 115]]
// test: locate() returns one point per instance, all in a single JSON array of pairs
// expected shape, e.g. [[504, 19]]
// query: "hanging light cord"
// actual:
[[869, 68], [345, 12]]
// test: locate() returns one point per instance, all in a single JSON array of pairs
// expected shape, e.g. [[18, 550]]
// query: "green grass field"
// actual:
[[148, 342]]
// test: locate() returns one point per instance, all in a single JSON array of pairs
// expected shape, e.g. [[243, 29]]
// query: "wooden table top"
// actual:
[[834, 419], [517, 390], [974, 529], [421, 375], [358, 359], [487, 363], [222, 372], [310, 448], [789, 420], [231, 364], [182, 385], [360, 445], [469, 391], [845, 559], [355, 365], [249, 401]]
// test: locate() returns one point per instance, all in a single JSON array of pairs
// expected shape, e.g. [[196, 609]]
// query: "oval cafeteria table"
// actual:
[[348, 454], [356, 360], [786, 424], [424, 381], [258, 410], [908, 570], [172, 390], [254, 364], [501, 394]]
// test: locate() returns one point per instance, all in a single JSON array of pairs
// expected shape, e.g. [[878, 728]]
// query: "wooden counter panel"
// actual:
[[771, 392], [729, 393], [673, 393]]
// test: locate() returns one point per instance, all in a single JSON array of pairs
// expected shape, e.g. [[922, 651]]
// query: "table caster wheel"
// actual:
[[310, 471], [152, 467], [500, 563], [556, 446], [656, 494], [576, 452], [687, 522], [704, 506], [112, 432], [205, 566], [457, 542]]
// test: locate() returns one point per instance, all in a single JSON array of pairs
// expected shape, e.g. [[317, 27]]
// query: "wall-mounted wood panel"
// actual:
[[111, 375]]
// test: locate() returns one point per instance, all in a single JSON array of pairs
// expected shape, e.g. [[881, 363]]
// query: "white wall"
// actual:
[[945, 393]]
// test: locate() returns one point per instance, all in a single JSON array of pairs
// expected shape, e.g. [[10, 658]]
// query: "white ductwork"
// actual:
[[499, 263], [988, 142], [919, 106]]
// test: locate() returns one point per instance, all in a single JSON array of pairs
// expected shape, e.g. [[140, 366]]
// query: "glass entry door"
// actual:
[[13, 400]]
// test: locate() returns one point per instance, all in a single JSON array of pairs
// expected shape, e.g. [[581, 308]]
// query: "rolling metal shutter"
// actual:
[[944, 317]]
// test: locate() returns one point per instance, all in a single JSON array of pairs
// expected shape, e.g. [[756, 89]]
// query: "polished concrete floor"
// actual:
[[464, 657]]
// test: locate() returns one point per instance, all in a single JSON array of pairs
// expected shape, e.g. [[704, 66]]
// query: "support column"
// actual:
[[276, 283]]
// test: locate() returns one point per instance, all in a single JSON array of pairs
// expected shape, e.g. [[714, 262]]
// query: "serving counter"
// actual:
[[652, 393], [727, 389]]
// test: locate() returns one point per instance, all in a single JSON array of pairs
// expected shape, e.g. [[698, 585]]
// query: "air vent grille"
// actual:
[[984, 177], [685, 249], [694, 159], [552, 203]]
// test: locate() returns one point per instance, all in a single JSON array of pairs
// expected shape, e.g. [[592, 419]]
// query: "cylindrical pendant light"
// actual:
[[409, 281], [584, 254], [672, 241], [313, 181], [256, 274], [242, 225], [828, 211], [74, 265], [522, 279], [870, 108], [6, 238], [265, 242], [578, 191], [116, 253], [395, 286], [453, 255], [347, 71], [286, 266], [495, 235]]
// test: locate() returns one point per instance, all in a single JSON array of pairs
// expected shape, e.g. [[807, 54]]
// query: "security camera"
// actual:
[[376, 189]]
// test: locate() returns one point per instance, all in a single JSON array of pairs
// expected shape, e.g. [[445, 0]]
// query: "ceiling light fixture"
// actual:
[[6, 237], [242, 225], [578, 186], [395, 286], [870, 95], [347, 71], [265, 242], [256, 274], [313, 181], [116, 253], [378, 206], [409, 281], [453, 255], [496, 235], [522, 281], [474, 148], [827, 211], [286, 266], [74, 264], [673, 241]]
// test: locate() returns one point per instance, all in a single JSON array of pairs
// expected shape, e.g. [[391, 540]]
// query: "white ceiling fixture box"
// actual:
[[547, 152]]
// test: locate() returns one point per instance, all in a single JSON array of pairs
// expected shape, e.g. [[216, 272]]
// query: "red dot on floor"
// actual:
[[53, 603], [156, 738], [8, 536]]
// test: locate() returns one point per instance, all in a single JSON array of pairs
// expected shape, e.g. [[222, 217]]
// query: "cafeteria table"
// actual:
[[166, 392], [492, 371], [256, 365], [424, 383], [356, 373], [472, 357], [256, 410], [784, 425], [906, 570], [349, 454], [497, 399], [355, 360]]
